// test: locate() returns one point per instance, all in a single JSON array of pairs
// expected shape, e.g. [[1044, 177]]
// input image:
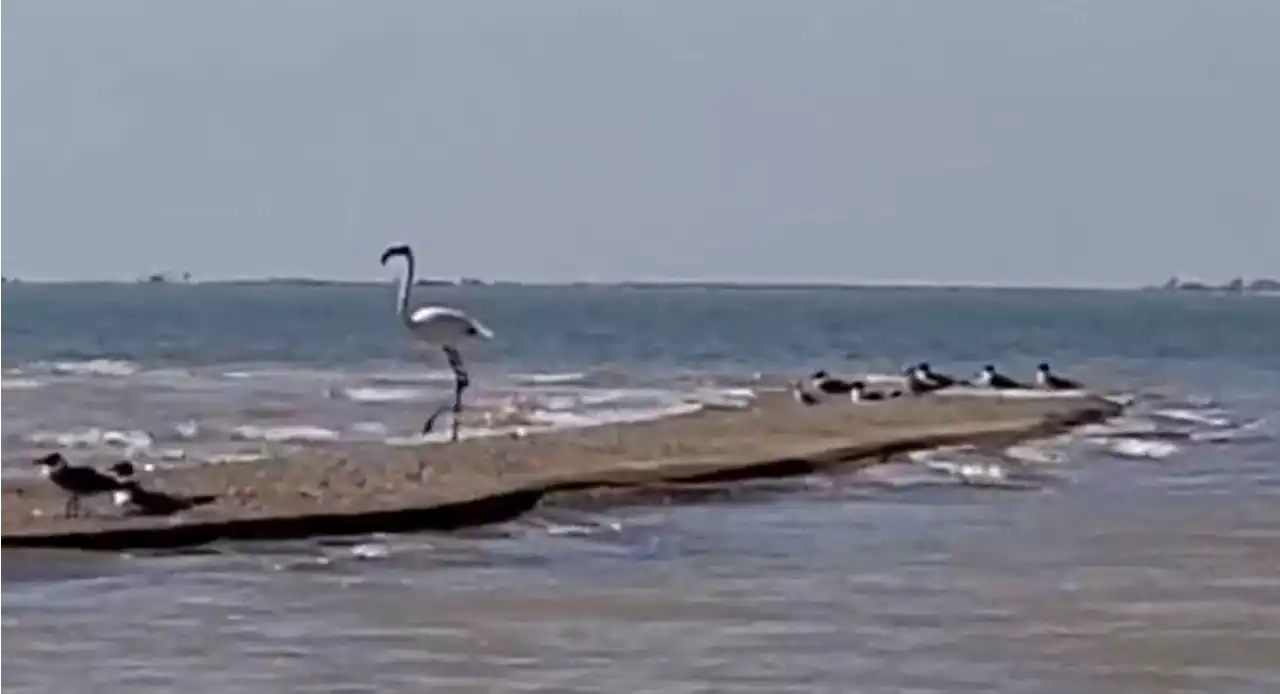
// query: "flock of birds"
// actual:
[[80, 481], [449, 330], [921, 379]]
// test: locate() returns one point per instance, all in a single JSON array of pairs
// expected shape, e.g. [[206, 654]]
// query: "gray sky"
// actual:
[[1107, 142]]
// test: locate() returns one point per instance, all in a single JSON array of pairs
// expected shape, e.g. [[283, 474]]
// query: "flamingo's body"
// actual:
[[438, 326]]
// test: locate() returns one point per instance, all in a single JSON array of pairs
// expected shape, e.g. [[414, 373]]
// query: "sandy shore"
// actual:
[[374, 488]]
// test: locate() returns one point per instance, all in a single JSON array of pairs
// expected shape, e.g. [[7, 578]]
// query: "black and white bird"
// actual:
[[990, 378], [824, 382], [76, 480], [859, 393], [925, 373], [135, 498], [918, 382], [1048, 380]]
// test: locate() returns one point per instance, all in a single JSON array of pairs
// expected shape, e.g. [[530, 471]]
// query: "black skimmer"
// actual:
[[917, 383], [990, 378], [823, 382], [859, 393], [927, 374], [76, 481], [139, 500], [1049, 381]]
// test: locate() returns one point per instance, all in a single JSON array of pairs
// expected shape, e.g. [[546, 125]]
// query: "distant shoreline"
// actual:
[[585, 284], [1256, 287]]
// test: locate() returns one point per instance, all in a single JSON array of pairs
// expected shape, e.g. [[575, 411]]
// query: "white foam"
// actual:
[[94, 367], [20, 384], [236, 457], [1212, 418], [1035, 453], [972, 472], [371, 550], [379, 395], [91, 437], [285, 434], [1138, 448], [132, 439], [550, 378], [188, 429]]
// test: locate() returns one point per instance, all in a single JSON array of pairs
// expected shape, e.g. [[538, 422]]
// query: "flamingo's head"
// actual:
[[393, 251]]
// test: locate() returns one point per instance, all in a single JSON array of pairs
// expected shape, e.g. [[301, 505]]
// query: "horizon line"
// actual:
[[468, 282]]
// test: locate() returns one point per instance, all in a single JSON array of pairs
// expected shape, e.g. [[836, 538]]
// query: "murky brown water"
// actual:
[[1108, 574]]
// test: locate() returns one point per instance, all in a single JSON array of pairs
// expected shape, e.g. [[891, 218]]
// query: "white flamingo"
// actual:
[[438, 326]]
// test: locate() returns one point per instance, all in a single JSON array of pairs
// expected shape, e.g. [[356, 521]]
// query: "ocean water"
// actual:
[[1131, 557]]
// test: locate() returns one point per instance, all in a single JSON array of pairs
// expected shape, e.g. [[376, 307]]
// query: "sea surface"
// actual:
[[1138, 556]]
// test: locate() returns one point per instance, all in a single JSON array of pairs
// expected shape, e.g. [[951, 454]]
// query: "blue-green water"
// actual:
[[1142, 560]]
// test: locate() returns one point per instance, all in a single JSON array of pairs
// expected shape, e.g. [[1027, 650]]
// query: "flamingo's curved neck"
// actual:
[[406, 286]]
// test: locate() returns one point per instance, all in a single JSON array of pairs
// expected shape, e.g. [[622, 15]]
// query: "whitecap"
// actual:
[[371, 550], [94, 367], [284, 434], [188, 429], [570, 530], [132, 439], [1210, 418], [20, 384], [1035, 453], [89, 437], [1138, 448], [380, 395], [550, 378], [241, 457]]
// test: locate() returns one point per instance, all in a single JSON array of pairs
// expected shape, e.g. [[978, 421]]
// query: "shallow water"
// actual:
[[1134, 557]]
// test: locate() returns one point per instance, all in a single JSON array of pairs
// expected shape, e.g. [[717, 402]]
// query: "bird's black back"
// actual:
[[84, 480]]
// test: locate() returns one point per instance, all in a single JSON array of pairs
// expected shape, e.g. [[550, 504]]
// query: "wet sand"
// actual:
[[372, 488]]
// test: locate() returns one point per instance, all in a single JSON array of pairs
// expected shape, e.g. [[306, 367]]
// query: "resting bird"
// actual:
[[1049, 381]]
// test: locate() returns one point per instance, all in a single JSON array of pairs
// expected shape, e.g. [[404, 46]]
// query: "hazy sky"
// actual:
[[1106, 142]]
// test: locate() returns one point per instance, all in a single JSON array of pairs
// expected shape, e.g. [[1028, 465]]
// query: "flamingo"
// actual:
[[438, 326]]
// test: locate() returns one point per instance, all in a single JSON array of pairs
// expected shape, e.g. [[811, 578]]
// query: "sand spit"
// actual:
[[375, 488]]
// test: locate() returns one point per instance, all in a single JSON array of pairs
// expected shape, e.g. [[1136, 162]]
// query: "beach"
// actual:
[[487, 479]]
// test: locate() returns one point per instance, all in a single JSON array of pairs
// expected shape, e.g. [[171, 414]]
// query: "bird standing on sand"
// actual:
[[990, 378], [824, 382], [1050, 381], [438, 326], [928, 375], [76, 481], [917, 382]]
